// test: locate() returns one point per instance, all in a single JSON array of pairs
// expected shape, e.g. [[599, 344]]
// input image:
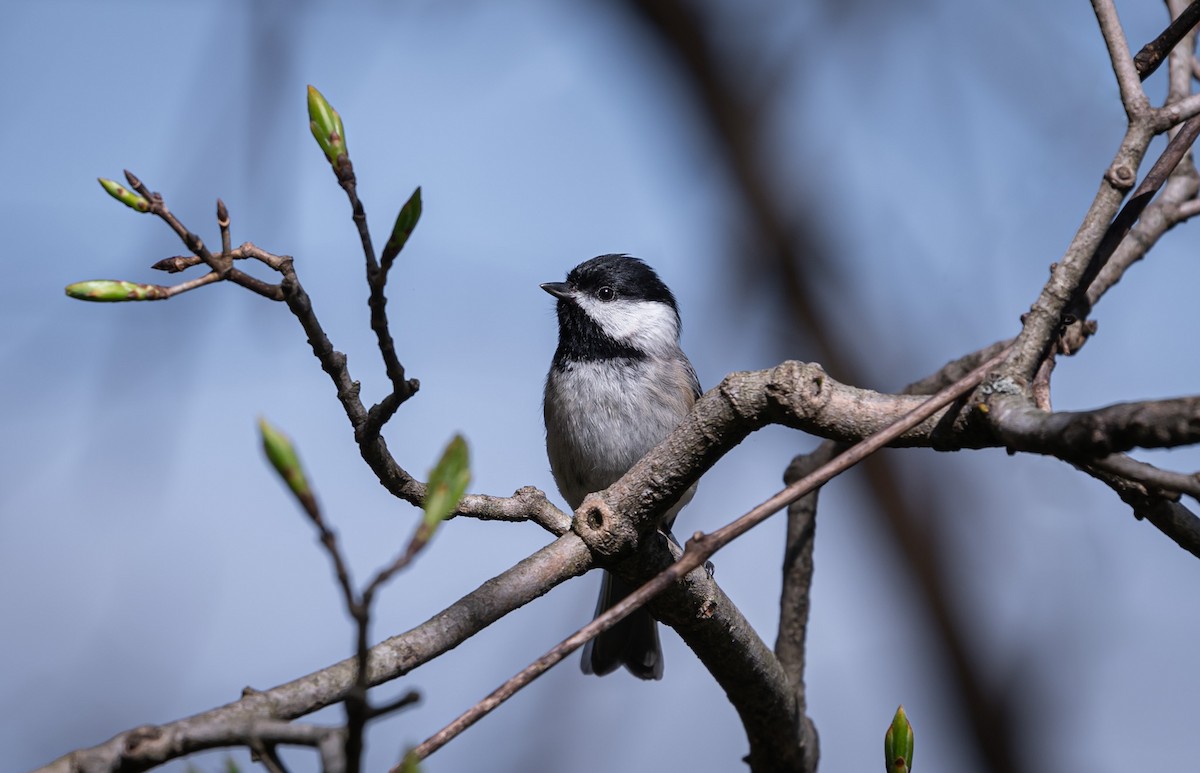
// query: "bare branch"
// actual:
[[343, 168], [1104, 431], [526, 504], [223, 224], [1155, 52], [1176, 111], [265, 289], [1154, 479], [1169, 517], [1128, 78]]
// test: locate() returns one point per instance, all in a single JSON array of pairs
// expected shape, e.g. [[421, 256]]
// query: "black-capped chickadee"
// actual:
[[619, 384]]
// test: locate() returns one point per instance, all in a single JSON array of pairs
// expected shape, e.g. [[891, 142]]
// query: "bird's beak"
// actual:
[[559, 290]]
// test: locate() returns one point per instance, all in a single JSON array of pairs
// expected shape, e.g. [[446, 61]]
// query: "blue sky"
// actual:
[[150, 567]]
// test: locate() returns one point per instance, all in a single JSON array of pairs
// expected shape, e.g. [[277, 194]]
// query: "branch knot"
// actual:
[[1121, 176], [606, 532], [796, 389]]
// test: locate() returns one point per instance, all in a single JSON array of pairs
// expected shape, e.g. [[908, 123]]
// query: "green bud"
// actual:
[[406, 221], [410, 763], [326, 126], [447, 483], [898, 744], [124, 195], [113, 290], [284, 459]]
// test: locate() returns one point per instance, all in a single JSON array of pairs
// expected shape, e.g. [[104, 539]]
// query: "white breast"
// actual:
[[620, 409]]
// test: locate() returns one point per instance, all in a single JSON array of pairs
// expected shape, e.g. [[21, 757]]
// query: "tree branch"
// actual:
[[1154, 479], [1109, 430], [790, 642], [1169, 517]]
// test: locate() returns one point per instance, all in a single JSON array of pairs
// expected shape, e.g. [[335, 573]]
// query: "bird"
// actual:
[[618, 384]]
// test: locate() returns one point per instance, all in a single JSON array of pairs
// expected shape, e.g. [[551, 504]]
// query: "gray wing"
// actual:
[[693, 379]]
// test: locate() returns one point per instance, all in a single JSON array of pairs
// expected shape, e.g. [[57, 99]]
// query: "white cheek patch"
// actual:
[[648, 326]]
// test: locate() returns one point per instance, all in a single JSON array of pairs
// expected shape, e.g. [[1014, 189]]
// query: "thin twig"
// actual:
[[193, 242], [328, 539], [344, 170], [223, 224], [402, 388], [192, 284], [409, 698], [1177, 111], [1153, 478], [268, 755]]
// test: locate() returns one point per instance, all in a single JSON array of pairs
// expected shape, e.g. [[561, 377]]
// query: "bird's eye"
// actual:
[[606, 293]]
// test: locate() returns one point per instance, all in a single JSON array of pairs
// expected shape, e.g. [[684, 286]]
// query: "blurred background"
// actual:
[[879, 187]]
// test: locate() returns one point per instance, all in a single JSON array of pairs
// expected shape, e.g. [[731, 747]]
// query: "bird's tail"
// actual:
[[632, 643]]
